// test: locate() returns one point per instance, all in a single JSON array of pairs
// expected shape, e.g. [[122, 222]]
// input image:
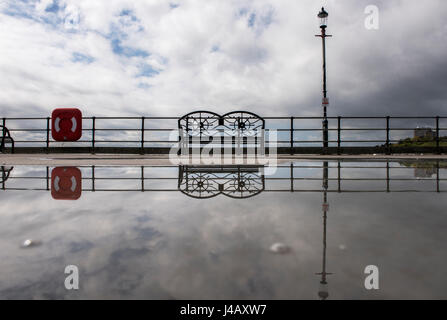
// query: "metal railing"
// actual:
[[294, 134]]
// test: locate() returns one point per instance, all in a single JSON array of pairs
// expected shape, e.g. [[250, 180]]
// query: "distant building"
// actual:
[[424, 132], [424, 172]]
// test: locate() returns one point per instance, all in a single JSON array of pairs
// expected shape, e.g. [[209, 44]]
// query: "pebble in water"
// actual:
[[279, 248], [28, 243]]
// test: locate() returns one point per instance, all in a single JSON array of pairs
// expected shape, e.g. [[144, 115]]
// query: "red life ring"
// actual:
[[66, 183], [66, 124]]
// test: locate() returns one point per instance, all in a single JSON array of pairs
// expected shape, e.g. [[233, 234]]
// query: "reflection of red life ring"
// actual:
[[66, 124], [66, 183]]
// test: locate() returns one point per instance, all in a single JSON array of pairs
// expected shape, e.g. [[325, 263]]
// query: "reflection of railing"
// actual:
[[294, 134], [209, 181], [6, 138], [289, 178]]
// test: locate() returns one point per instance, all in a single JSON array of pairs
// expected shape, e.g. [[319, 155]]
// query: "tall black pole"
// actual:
[[323, 36], [325, 122], [323, 39]]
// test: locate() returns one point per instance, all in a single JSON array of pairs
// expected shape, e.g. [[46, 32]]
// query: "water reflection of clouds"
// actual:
[[166, 245]]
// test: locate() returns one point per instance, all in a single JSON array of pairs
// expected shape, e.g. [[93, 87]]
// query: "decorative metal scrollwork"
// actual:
[[245, 123], [199, 123], [238, 182], [200, 127]]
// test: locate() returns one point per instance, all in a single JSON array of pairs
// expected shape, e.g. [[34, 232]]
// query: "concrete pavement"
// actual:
[[163, 160]]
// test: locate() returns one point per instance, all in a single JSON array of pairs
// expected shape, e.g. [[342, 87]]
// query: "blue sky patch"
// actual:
[[126, 20], [20, 9], [258, 20], [53, 7], [147, 70], [119, 49], [144, 86], [251, 20], [128, 13], [243, 12], [27, 10], [83, 58]]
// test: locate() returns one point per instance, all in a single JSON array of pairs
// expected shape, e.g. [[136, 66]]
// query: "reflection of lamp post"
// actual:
[[323, 292], [323, 16]]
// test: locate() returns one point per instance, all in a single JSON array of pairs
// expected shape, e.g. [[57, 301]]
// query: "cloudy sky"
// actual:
[[157, 57]]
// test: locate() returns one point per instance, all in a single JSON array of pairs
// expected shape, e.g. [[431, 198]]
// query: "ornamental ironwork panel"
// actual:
[[241, 129], [243, 122]]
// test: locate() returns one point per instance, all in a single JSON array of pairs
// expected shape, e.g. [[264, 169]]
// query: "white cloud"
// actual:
[[146, 57]]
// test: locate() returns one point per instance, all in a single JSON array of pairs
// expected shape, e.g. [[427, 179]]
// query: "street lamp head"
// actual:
[[322, 15]]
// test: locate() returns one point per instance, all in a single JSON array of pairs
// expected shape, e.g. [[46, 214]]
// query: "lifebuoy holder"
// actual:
[[66, 124]]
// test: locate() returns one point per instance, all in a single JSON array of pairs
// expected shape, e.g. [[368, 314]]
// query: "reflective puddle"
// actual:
[[308, 231]]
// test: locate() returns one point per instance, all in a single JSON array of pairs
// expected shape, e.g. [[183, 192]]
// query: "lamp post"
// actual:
[[323, 17]]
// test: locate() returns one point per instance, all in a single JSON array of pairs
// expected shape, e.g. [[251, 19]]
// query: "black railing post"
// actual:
[[388, 148], [291, 135], [338, 134], [93, 133], [48, 134], [142, 135], [438, 150], [3, 133], [437, 176]]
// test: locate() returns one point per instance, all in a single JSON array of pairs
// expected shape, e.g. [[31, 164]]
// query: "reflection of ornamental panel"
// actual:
[[238, 129], [204, 182]]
